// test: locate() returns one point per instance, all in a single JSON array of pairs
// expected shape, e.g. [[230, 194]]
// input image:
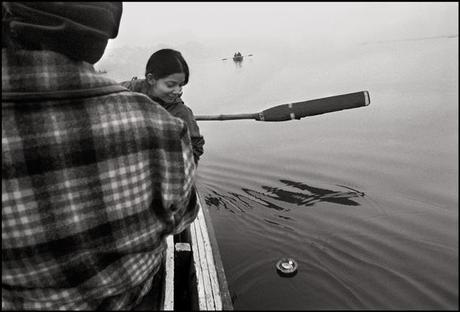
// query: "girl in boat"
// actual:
[[165, 75]]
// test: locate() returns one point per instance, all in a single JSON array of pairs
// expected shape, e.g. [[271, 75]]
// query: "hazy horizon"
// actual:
[[250, 23], [210, 31]]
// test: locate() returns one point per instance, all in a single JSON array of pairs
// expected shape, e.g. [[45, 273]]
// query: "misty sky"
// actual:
[[171, 22]]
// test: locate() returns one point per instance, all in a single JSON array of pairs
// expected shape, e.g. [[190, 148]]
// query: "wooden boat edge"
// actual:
[[222, 279], [202, 264]]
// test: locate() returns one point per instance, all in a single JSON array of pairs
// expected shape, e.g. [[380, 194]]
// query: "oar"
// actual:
[[301, 109], [224, 59]]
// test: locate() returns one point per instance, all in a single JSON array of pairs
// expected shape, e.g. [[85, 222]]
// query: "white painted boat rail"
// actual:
[[208, 284]]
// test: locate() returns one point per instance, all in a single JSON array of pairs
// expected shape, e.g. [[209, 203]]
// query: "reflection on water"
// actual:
[[238, 64], [349, 251], [313, 196], [308, 197]]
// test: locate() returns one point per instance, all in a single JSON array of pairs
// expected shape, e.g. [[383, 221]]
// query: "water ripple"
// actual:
[[359, 250]]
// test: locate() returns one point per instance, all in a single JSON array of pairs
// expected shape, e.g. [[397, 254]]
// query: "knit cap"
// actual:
[[79, 30]]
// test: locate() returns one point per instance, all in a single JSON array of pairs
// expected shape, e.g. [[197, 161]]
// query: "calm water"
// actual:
[[366, 200]]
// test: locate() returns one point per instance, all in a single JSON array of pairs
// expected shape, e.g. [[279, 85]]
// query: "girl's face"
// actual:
[[168, 88]]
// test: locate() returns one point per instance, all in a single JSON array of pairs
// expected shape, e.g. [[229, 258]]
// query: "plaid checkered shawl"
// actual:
[[91, 186]]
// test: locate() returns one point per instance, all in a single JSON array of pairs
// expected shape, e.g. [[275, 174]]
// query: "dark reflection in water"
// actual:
[[313, 196], [348, 257], [238, 64], [309, 196]]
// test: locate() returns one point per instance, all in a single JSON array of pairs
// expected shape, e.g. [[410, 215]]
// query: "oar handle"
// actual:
[[226, 117]]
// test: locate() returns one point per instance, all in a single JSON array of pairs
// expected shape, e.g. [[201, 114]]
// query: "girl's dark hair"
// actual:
[[166, 62]]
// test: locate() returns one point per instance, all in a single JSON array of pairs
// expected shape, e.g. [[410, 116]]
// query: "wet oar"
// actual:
[[300, 109]]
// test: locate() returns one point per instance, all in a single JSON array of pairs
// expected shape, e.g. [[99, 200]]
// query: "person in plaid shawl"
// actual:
[[94, 177]]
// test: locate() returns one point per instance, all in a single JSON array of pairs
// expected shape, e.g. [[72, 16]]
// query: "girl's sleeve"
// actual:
[[197, 139]]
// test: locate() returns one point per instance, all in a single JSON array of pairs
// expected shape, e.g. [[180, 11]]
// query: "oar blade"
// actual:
[[315, 107]]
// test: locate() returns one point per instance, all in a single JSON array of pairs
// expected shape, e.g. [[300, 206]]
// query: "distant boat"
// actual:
[[237, 57]]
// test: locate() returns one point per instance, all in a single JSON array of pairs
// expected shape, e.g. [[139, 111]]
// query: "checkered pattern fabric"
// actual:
[[91, 186]]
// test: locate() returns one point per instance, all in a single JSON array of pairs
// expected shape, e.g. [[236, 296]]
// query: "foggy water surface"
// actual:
[[365, 200]]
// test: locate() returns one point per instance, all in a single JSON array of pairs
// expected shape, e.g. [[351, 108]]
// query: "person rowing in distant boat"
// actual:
[[165, 75]]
